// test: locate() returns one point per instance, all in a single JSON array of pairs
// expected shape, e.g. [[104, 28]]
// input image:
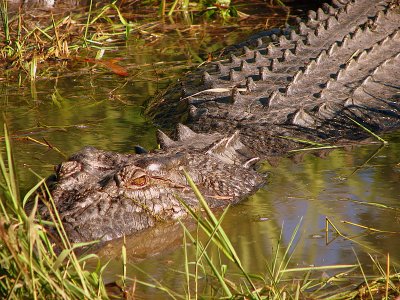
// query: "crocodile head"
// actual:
[[103, 195]]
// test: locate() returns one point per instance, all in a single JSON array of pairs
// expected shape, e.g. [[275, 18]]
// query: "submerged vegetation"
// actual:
[[31, 265], [27, 43], [85, 33]]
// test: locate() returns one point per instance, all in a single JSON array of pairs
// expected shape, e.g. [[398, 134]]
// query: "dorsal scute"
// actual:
[[183, 132], [301, 118], [187, 140], [164, 140], [230, 150]]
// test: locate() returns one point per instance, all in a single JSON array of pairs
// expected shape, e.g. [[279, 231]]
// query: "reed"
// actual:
[[32, 268]]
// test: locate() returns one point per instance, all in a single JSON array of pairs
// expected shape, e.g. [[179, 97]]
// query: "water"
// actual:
[[76, 104], [358, 185]]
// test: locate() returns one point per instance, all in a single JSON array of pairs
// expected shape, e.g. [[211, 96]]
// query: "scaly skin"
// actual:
[[345, 62], [103, 195], [342, 64]]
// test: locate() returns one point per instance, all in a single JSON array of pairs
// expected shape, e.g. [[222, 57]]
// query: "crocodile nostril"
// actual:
[[68, 168]]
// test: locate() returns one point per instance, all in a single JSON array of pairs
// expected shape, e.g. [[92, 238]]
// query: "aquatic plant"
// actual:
[[31, 266], [26, 43], [206, 276], [77, 34]]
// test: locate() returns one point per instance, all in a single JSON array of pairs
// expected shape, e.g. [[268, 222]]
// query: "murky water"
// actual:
[[358, 185], [80, 104]]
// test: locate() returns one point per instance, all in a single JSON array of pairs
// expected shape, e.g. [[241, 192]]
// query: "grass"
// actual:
[[203, 272], [373, 134], [315, 146], [25, 43], [209, 8], [38, 44], [31, 267], [4, 20]]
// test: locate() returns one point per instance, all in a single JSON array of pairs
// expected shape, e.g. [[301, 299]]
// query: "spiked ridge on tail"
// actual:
[[339, 65], [342, 61]]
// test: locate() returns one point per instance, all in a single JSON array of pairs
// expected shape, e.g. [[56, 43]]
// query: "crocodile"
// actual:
[[326, 81]]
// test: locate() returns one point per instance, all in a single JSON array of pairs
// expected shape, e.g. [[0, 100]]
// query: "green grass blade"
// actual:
[[214, 269], [308, 142], [223, 238], [368, 131], [34, 270], [306, 269]]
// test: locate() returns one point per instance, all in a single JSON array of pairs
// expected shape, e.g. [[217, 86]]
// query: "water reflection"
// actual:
[[348, 185], [79, 105], [76, 103]]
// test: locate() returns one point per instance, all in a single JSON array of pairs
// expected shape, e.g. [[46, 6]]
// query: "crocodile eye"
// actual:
[[139, 181], [131, 177]]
